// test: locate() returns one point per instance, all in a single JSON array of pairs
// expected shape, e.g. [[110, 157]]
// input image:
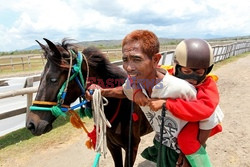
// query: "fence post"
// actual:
[[29, 62], [29, 83], [11, 62], [22, 63]]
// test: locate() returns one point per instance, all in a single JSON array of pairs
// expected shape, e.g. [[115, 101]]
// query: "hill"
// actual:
[[114, 44]]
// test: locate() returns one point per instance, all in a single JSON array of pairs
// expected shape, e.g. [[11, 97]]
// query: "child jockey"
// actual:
[[193, 60]]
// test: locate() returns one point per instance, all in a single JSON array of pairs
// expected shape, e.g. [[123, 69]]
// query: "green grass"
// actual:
[[24, 134], [23, 142], [36, 51]]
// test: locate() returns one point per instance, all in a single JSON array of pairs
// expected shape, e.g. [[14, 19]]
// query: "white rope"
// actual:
[[87, 66], [70, 66], [101, 121]]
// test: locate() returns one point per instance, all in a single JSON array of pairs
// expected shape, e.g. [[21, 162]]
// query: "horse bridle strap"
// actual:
[[49, 103], [58, 108]]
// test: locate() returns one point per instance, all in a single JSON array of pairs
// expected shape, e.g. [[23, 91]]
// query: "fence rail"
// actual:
[[221, 52], [19, 60], [27, 90]]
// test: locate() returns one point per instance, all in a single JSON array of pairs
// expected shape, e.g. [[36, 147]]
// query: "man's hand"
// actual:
[[156, 104], [88, 96], [140, 98]]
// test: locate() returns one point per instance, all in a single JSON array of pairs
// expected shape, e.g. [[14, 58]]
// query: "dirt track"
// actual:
[[227, 149]]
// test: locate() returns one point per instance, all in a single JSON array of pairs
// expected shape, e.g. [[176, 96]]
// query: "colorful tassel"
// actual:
[[56, 111], [135, 117], [82, 112], [74, 121], [92, 136], [77, 123], [89, 144], [88, 112]]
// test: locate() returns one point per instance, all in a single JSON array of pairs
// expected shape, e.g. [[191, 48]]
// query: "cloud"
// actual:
[[22, 22]]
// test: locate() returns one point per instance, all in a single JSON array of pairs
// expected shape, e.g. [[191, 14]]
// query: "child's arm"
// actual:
[[156, 104], [199, 109]]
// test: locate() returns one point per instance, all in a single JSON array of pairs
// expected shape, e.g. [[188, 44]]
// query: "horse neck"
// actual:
[[111, 76]]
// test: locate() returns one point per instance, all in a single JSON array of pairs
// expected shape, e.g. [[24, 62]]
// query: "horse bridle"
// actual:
[[75, 72]]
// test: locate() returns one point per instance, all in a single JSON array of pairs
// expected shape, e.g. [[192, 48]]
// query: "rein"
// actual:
[[58, 108]]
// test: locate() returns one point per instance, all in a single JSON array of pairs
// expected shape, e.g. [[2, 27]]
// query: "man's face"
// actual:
[[137, 64]]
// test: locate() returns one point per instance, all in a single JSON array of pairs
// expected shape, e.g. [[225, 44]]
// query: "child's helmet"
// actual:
[[194, 53]]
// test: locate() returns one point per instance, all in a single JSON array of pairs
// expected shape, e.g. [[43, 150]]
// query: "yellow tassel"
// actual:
[[89, 144], [76, 121], [214, 77]]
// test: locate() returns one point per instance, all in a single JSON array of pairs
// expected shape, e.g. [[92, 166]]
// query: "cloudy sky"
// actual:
[[24, 21]]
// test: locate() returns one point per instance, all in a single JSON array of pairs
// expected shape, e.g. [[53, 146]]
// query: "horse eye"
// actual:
[[53, 80]]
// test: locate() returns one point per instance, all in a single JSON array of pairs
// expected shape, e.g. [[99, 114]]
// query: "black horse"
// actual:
[[100, 71]]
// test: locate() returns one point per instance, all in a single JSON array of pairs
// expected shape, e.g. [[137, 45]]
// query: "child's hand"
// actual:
[[156, 104], [140, 98]]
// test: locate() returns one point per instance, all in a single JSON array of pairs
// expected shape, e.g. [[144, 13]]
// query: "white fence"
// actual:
[[222, 52]]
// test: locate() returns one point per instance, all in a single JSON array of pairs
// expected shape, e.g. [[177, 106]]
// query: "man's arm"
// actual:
[[116, 92]]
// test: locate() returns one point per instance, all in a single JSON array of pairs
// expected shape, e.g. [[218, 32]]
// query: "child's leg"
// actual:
[[191, 147], [188, 138], [203, 136]]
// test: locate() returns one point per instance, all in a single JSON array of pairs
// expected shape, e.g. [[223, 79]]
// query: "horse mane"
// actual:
[[98, 62], [67, 45], [59, 56]]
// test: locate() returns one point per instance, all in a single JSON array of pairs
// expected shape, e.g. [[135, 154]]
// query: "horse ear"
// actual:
[[41, 45], [53, 47]]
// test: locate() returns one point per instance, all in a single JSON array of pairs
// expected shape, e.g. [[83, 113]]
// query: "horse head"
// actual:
[[60, 59]]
